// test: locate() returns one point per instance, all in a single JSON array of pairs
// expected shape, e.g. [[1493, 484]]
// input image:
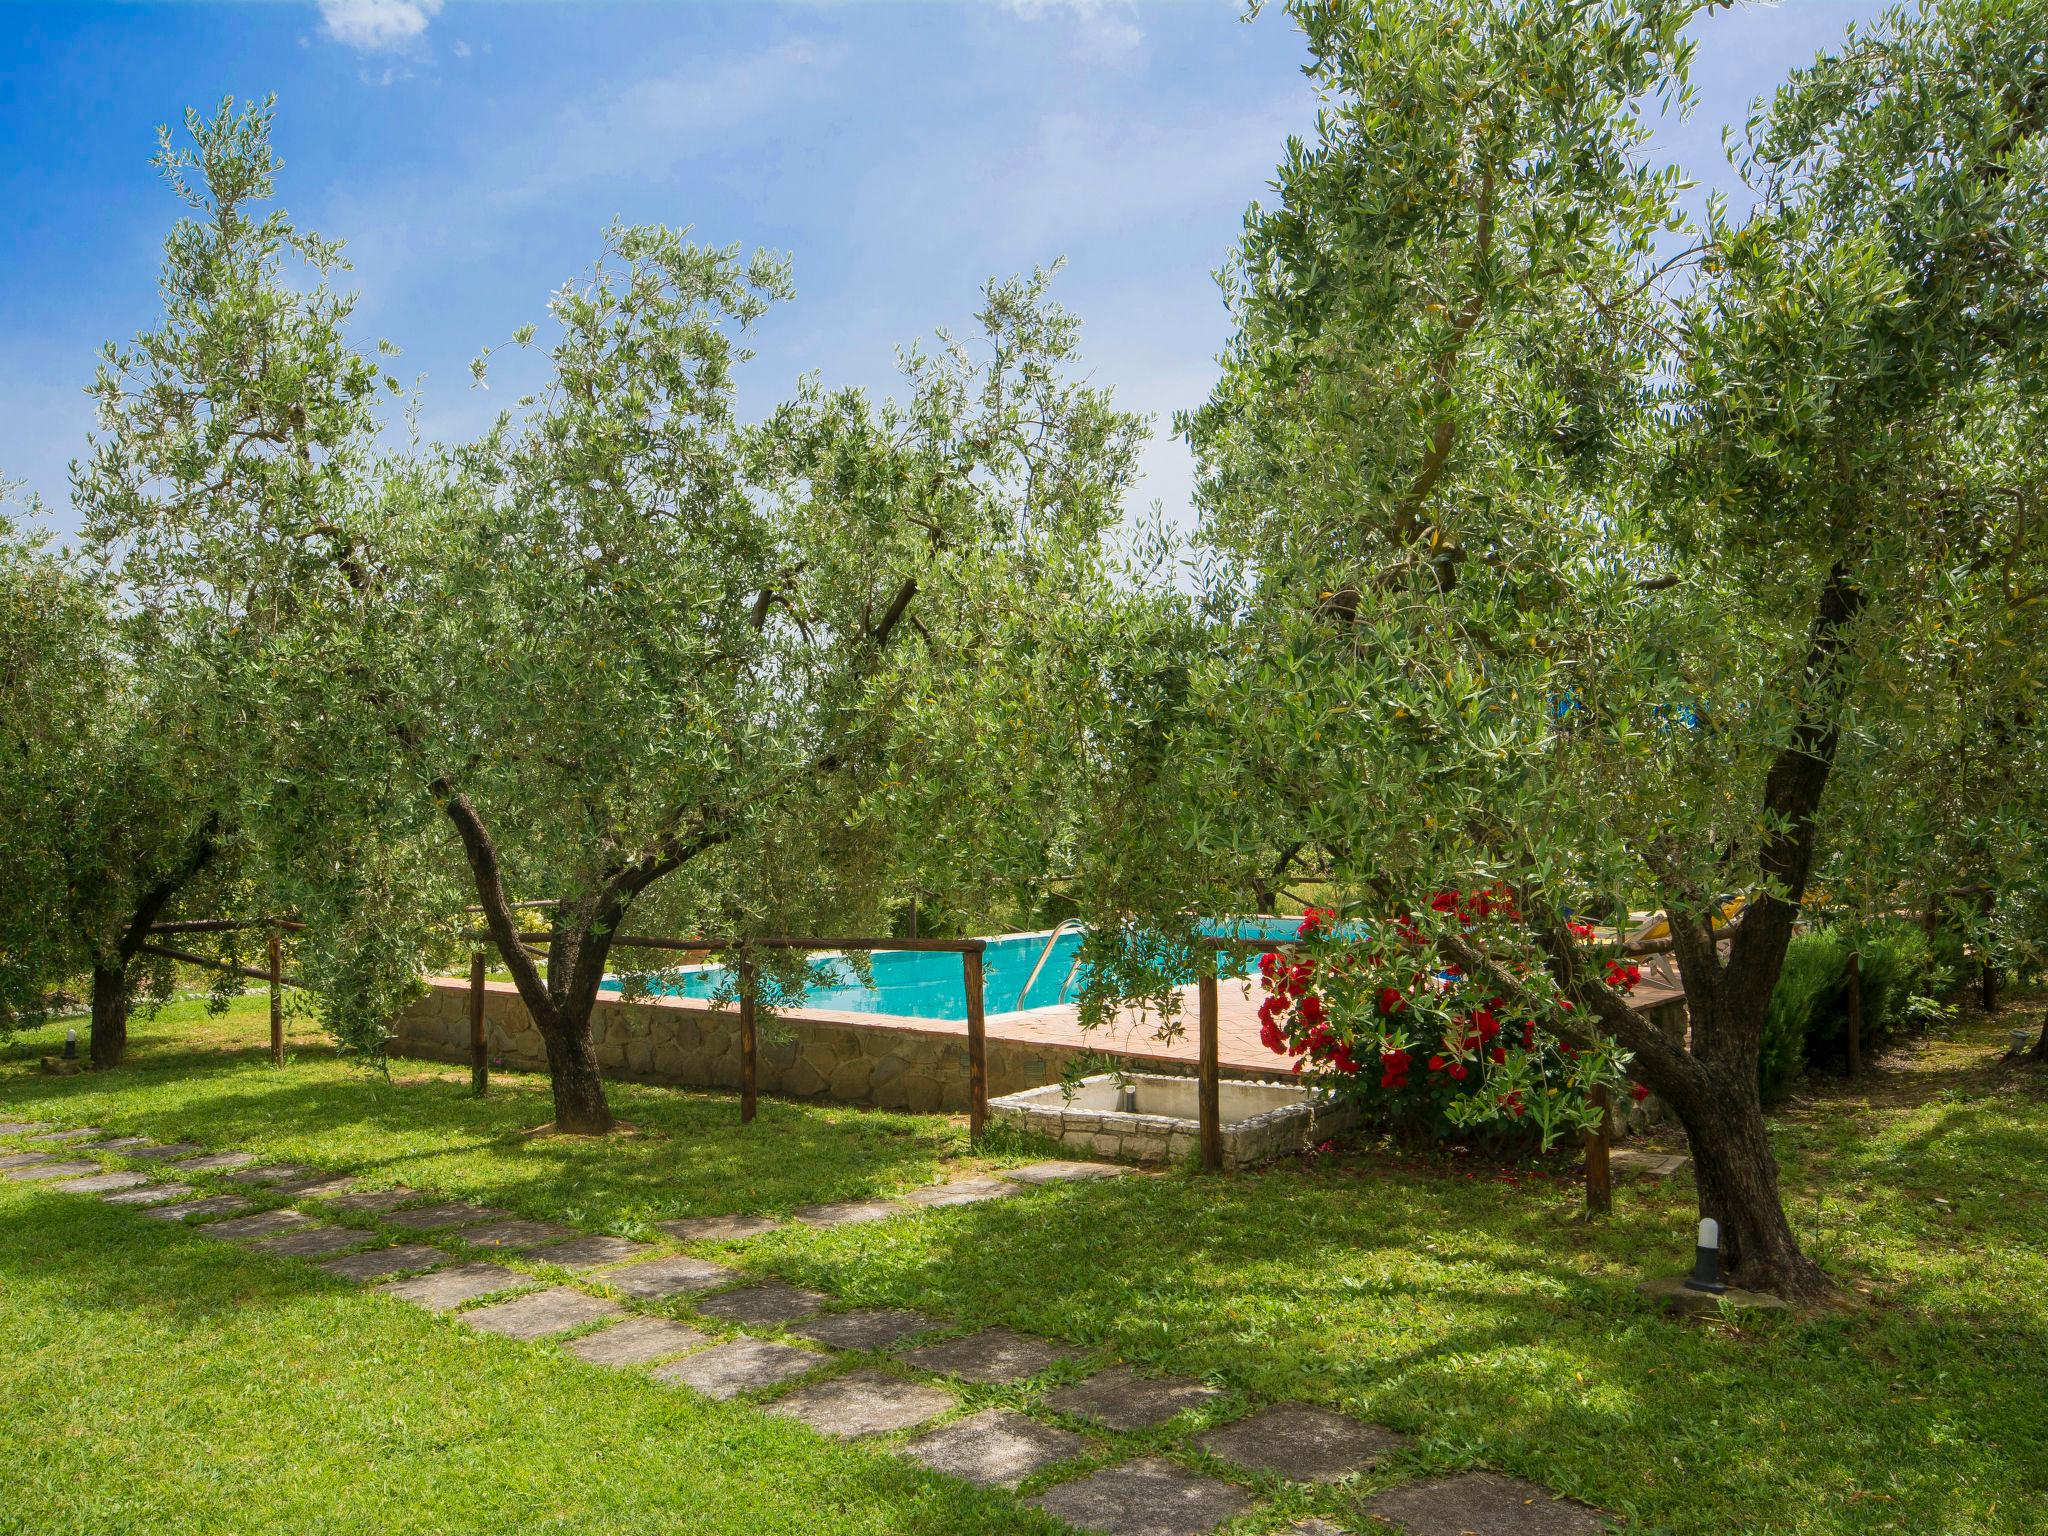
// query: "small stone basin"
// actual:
[[1143, 1117]]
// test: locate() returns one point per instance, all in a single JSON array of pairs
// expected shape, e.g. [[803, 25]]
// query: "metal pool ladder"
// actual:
[[1044, 954]]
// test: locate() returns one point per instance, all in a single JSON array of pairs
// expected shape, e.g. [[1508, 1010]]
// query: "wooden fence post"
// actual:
[[1208, 1087], [1599, 1176], [977, 1046], [276, 1002], [479, 1053], [749, 1052], [1854, 1042]]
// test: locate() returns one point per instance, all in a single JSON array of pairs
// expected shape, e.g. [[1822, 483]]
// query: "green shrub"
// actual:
[[1807, 1025]]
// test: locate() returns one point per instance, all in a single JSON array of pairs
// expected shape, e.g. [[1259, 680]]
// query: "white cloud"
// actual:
[[1107, 28], [377, 26]]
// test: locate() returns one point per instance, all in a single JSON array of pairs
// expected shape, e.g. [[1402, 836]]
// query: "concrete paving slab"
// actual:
[[997, 1449], [739, 1365], [992, 1357], [962, 1192], [717, 1229], [1122, 1399], [542, 1313], [34, 1172], [164, 1152], [76, 1133], [863, 1403], [847, 1213], [1302, 1443], [1148, 1497], [212, 1205], [22, 1127], [516, 1235], [153, 1194], [1061, 1171], [100, 1183], [593, 1252], [268, 1174], [214, 1160], [26, 1159], [311, 1242], [261, 1224], [446, 1289], [870, 1328], [762, 1305], [442, 1213], [379, 1262], [122, 1144], [373, 1201], [319, 1186], [1482, 1504], [636, 1341], [672, 1276]]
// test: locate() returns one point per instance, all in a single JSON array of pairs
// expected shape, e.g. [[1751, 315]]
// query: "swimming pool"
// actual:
[[924, 985]]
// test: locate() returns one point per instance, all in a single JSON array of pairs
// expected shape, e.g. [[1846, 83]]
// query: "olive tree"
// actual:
[[1558, 546]]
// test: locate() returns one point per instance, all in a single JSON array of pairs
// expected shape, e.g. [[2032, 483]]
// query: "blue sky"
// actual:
[[471, 155]]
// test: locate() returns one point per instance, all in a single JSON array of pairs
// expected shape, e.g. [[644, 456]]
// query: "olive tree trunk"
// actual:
[[109, 1015]]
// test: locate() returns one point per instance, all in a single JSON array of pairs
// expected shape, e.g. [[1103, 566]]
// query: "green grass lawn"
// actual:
[[167, 1385]]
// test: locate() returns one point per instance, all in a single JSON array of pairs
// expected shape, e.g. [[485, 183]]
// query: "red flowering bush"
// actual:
[[1380, 1013]]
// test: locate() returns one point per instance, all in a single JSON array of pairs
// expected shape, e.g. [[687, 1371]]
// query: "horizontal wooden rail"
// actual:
[[186, 957], [918, 946], [227, 924]]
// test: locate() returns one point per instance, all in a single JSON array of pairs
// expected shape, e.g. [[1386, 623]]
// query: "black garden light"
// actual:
[[1706, 1267], [71, 1044]]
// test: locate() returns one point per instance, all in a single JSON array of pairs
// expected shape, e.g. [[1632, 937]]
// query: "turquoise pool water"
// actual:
[[921, 985]]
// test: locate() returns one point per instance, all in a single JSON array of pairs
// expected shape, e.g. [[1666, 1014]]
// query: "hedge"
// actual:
[[1807, 1026]]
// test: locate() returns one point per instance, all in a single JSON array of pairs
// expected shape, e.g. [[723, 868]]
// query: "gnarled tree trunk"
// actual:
[[109, 1014]]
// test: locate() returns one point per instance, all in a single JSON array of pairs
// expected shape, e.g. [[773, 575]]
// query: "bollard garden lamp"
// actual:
[[1706, 1267], [71, 1044]]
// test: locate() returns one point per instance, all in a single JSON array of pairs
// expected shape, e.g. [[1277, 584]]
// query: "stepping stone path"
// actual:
[[864, 1403], [42, 1169], [997, 1449], [1120, 1398], [154, 1194], [1657, 1165], [1301, 1443], [1149, 1497], [636, 1341], [659, 1278], [311, 1242], [212, 1205], [869, 1328], [446, 1289], [740, 1365], [594, 1251], [847, 1213], [1059, 1171], [262, 1224], [542, 1313], [101, 1182], [716, 1229], [992, 1357], [516, 1235], [443, 1213], [84, 1133], [1482, 1504], [763, 1305], [379, 1262]]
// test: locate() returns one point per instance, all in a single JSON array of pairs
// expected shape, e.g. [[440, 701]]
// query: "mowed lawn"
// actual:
[[152, 1381]]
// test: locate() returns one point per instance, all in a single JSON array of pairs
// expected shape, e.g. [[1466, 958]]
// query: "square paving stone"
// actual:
[[515, 1235], [212, 1205], [80, 1133], [993, 1357], [267, 1173], [311, 1242], [716, 1229], [22, 1127], [1301, 1443], [154, 1194], [443, 1213], [997, 1449], [594, 1251], [1148, 1497], [636, 1341], [261, 1224], [121, 1144], [379, 1262], [863, 1403], [542, 1313], [1313, 1526], [671, 1276], [51, 1171], [446, 1289], [1122, 1399], [99, 1183], [847, 1213], [214, 1160], [867, 1327], [165, 1152], [1059, 1171], [319, 1186], [739, 1365], [765, 1304], [372, 1200], [26, 1159], [1482, 1504], [961, 1192]]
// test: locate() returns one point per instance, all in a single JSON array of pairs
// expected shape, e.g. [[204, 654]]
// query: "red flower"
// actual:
[[1487, 1025], [1271, 1038], [1269, 964], [1390, 999], [1458, 1070], [1499, 1055], [1436, 1063], [1638, 1092], [1311, 1009]]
